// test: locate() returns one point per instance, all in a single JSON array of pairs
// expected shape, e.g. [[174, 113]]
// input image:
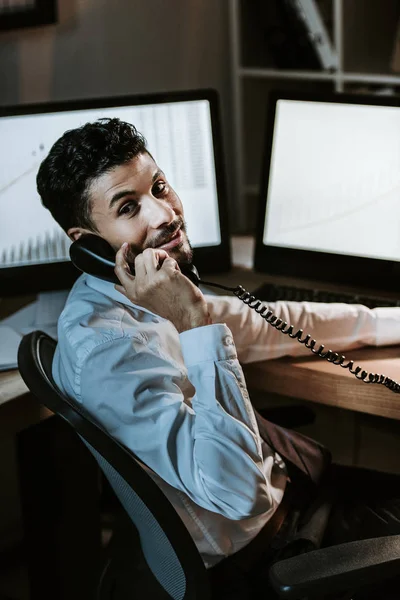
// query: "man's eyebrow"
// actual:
[[118, 195]]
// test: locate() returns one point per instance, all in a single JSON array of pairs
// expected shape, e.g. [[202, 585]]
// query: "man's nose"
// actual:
[[158, 212]]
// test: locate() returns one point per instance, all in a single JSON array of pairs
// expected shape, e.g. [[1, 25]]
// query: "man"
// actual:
[[157, 363]]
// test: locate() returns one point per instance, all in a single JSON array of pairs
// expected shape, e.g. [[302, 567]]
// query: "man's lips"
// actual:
[[174, 241]]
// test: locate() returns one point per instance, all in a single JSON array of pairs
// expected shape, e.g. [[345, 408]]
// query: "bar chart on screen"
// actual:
[[28, 233], [51, 246]]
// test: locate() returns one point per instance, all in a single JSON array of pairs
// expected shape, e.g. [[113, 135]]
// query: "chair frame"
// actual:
[[29, 362]]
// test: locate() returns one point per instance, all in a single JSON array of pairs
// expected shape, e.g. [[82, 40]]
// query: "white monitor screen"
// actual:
[[334, 180], [179, 136]]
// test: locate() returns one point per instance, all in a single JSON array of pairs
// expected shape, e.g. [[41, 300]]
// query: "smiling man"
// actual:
[[133, 201], [156, 362], [138, 190]]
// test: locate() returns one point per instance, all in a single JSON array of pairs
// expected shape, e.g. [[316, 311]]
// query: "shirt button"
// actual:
[[227, 341], [278, 461]]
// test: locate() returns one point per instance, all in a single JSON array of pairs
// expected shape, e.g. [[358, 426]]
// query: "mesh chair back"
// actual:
[[167, 546]]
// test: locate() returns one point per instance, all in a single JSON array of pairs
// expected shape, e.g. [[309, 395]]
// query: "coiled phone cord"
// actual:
[[286, 329]]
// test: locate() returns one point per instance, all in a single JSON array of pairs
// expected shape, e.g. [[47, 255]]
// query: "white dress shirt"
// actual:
[[180, 402]]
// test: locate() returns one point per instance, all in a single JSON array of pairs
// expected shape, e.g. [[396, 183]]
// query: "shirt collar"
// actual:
[[108, 289]]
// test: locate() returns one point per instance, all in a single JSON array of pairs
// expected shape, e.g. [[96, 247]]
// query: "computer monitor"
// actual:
[[330, 191], [183, 134]]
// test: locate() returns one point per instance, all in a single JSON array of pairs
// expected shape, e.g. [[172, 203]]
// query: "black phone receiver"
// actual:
[[92, 254]]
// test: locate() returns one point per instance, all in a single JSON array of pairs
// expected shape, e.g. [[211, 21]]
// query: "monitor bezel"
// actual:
[[61, 275], [305, 264]]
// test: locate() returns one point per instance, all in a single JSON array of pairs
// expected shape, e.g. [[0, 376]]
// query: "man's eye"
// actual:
[[159, 188], [128, 208]]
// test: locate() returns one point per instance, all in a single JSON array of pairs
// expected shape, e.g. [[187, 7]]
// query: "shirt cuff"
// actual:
[[208, 343], [387, 326]]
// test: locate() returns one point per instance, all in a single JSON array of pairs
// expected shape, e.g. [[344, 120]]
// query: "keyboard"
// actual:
[[270, 292]]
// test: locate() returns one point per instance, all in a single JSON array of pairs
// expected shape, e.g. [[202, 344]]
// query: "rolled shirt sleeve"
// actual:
[[338, 326], [191, 421]]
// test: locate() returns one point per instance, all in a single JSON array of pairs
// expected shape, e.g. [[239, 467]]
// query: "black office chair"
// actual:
[[168, 548]]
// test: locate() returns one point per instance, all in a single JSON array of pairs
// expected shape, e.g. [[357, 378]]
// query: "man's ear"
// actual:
[[74, 233]]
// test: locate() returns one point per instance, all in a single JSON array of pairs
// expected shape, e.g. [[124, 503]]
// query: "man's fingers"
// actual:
[[146, 265], [170, 264], [122, 270], [150, 260], [154, 259], [161, 255], [140, 267]]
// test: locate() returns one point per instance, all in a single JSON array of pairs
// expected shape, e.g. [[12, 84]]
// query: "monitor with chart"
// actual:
[[183, 134], [330, 202]]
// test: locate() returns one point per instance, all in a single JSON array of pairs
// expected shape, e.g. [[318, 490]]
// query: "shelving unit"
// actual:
[[363, 34]]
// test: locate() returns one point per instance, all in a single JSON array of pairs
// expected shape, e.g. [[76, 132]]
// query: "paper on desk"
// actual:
[[42, 314], [9, 342], [22, 321], [49, 306]]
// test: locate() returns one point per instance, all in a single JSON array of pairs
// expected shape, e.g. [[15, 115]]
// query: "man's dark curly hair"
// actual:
[[76, 159]]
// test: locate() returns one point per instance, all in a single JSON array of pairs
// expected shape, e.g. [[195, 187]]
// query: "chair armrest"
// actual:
[[337, 568]]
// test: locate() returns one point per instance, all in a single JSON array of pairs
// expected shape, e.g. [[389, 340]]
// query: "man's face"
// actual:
[[134, 203]]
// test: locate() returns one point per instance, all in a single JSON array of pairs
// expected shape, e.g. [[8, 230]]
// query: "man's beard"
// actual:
[[183, 254]]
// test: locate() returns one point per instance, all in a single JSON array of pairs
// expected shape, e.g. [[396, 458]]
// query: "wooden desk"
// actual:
[[316, 380], [18, 408]]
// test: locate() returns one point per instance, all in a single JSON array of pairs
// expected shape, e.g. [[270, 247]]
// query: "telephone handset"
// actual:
[[94, 255]]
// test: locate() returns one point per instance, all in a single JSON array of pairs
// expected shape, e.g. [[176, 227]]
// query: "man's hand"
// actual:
[[159, 286]]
